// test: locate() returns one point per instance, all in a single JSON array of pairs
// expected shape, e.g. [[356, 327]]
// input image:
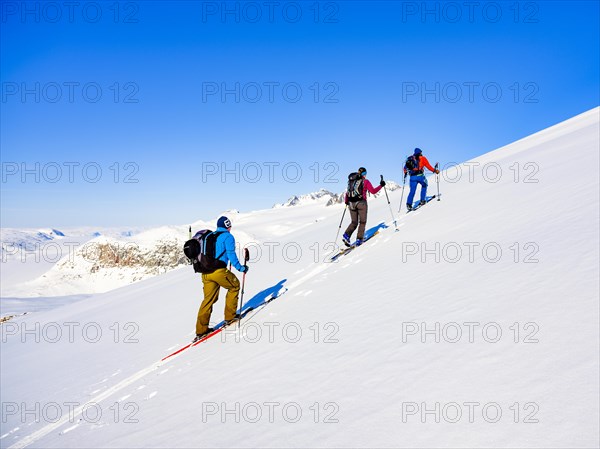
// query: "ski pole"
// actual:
[[402, 196], [246, 257], [437, 178], [340, 227], [389, 204], [191, 262]]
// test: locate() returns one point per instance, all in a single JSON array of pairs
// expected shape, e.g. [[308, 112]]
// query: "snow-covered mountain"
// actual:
[[475, 325], [103, 264], [84, 261], [26, 240], [327, 197], [321, 196]]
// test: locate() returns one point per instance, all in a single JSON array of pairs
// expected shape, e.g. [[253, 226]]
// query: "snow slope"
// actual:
[[348, 357]]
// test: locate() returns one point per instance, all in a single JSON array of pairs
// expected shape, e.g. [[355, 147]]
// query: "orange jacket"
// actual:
[[423, 162]]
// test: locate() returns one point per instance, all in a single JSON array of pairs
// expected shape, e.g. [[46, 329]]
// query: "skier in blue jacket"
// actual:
[[225, 252]]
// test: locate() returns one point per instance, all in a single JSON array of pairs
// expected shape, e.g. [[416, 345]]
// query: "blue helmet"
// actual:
[[418, 152]]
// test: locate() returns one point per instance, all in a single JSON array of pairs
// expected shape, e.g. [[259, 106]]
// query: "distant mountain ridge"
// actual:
[[320, 195], [332, 198]]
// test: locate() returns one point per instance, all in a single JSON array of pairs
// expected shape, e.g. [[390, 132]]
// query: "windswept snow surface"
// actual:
[[475, 325]]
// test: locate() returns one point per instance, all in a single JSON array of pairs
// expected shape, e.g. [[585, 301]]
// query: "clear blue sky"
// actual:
[[350, 83]]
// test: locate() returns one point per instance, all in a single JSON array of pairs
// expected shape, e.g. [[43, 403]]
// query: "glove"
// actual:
[[382, 183], [436, 171], [244, 269]]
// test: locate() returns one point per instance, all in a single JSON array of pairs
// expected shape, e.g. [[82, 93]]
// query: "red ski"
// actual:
[[221, 326]]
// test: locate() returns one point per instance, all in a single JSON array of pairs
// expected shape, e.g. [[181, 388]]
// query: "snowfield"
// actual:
[[476, 324]]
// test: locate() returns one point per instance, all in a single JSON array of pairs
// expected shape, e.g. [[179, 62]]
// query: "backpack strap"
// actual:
[[418, 165], [217, 234]]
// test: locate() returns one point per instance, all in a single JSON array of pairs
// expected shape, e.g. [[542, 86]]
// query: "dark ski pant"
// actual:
[[358, 214], [212, 284], [414, 182]]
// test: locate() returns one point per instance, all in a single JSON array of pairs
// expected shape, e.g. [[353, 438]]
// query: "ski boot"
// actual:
[[233, 320], [346, 239], [201, 336]]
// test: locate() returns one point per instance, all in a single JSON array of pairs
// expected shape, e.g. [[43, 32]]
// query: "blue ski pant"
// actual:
[[414, 182]]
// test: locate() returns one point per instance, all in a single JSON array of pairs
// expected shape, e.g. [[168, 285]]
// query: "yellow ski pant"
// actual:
[[212, 284]]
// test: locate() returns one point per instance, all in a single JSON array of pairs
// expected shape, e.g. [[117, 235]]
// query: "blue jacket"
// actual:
[[226, 245]]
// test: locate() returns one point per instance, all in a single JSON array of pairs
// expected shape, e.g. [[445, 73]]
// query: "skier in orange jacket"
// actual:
[[415, 166]]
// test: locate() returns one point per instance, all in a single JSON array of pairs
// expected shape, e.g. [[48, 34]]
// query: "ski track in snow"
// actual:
[[68, 429], [16, 429], [78, 411]]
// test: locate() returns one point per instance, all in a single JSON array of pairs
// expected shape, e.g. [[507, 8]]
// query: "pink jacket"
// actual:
[[369, 187]]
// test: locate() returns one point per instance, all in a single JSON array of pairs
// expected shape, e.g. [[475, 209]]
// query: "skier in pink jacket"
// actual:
[[356, 200]]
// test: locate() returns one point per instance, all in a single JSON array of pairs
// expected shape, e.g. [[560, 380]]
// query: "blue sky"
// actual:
[[121, 113]]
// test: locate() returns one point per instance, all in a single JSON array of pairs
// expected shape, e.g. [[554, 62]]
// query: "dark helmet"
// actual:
[[418, 152], [224, 222], [362, 171]]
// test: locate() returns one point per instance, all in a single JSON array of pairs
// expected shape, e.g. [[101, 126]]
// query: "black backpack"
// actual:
[[201, 249], [355, 189], [412, 165]]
